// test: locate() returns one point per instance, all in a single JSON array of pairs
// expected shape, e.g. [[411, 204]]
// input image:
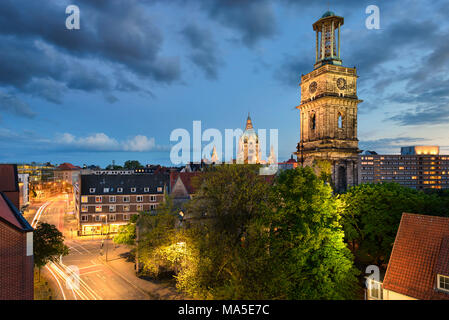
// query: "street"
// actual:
[[83, 274]]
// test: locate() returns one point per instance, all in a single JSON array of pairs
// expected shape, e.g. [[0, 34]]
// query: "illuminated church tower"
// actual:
[[328, 109], [248, 148]]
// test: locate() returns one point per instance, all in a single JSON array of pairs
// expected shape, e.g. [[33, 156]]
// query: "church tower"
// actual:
[[248, 149], [328, 108]]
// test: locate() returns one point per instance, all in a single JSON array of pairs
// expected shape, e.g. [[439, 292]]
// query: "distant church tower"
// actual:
[[328, 109], [248, 150]]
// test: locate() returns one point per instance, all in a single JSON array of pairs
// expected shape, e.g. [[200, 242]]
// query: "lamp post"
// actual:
[[105, 215]]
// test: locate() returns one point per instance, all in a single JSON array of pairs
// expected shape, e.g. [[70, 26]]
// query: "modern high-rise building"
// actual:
[[328, 109], [417, 167]]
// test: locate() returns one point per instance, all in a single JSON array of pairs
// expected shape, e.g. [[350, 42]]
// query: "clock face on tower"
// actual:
[[313, 86], [341, 83]]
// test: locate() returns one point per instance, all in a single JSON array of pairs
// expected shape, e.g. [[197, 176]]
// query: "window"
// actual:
[[112, 217], [84, 199], [146, 189], [152, 198], [112, 208], [98, 199], [126, 217], [98, 208], [140, 207], [125, 198], [84, 217], [91, 190], [139, 198], [119, 189], [313, 121], [112, 199], [340, 121], [152, 207], [159, 189], [84, 208], [133, 189], [105, 190], [126, 207], [374, 289], [97, 218], [443, 283]]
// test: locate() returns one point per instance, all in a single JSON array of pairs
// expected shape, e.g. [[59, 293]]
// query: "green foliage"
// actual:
[[307, 239], [373, 213], [126, 234], [132, 164], [48, 244]]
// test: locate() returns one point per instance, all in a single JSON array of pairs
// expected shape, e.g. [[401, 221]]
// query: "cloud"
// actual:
[[204, 49], [104, 143], [253, 19], [11, 104], [388, 145]]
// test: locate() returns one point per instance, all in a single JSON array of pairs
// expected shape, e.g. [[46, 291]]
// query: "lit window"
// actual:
[[112, 217], [374, 289], [126, 217], [443, 283], [140, 207], [98, 199], [159, 189], [105, 190], [98, 208], [84, 208], [112, 208], [126, 207], [84, 199]]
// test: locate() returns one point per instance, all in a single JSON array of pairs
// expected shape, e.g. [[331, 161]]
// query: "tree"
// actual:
[[132, 164], [373, 212], [307, 239], [48, 244]]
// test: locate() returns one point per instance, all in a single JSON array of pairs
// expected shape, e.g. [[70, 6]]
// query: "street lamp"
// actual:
[[105, 215]]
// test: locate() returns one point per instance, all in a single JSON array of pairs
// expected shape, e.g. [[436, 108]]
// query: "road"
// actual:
[[83, 274]]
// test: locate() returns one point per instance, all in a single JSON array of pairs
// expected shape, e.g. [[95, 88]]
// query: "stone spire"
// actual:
[[249, 124], [214, 157]]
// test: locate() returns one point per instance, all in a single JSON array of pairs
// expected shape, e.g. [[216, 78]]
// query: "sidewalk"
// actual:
[[156, 291]]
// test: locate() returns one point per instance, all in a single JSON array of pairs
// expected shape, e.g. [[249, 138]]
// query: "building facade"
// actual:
[[418, 167], [16, 241], [328, 109], [24, 190], [248, 148], [105, 201]]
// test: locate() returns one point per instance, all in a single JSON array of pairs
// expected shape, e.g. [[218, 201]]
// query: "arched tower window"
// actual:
[[313, 121], [340, 121]]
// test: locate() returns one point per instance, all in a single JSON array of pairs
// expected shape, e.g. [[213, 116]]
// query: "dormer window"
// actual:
[[119, 189], [133, 189], [91, 190], [146, 189], [443, 283], [159, 189], [105, 190]]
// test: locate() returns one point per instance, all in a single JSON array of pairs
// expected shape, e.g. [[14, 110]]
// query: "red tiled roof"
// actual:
[[8, 178], [186, 178], [419, 252], [68, 166]]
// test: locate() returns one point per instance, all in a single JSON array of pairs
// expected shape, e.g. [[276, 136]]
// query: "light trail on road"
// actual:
[[38, 214]]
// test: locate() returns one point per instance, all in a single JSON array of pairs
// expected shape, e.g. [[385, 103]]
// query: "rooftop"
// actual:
[[420, 252]]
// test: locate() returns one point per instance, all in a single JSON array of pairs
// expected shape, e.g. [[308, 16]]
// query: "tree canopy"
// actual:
[[48, 244]]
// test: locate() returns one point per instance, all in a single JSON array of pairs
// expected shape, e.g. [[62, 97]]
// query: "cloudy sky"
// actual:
[[136, 70]]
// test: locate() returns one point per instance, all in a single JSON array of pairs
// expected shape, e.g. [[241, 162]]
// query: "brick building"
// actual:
[[106, 200], [418, 167], [16, 241]]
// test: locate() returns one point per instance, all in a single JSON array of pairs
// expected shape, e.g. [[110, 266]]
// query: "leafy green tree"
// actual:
[[373, 212], [127, 233], [132, 164], [48, 244], [308, 240]]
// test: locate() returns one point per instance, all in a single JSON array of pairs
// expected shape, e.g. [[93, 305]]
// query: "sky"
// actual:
[[136, 70]]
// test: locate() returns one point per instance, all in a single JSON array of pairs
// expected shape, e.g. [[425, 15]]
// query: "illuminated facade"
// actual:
[[416, 167], [248, 149], [328, 109], [104, 202]]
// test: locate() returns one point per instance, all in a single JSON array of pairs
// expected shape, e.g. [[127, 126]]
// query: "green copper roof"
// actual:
[[328, 14]]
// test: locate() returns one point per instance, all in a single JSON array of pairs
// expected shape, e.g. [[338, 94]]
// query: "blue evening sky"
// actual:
[[137, 70]]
